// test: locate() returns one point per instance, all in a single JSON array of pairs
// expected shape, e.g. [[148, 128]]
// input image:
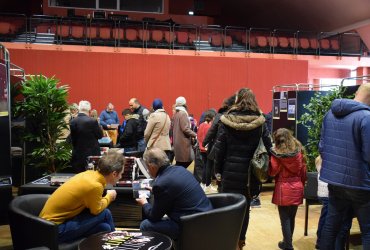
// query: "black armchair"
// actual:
[[28, 230], [218, 229]]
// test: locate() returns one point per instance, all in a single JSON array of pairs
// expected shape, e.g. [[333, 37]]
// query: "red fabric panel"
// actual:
[[103, 77], [42, 28]]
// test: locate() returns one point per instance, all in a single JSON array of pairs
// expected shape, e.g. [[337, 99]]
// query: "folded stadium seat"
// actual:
[[92, 32], [272, 41], [192, 37], [131, 34], [169, 36], [157, 35], [237, 36], [118, 33], [5, 28], [182, 37], [293, 42], [144, 35], [245, 39], [283, 42], [304, 43], [64, 31], [261, 41], [216, 40], [106, 33], [77, 31], [205, 36], [43, 28], [324, 44], [334, 43], [228, 41], [314, 44], [253, 41]]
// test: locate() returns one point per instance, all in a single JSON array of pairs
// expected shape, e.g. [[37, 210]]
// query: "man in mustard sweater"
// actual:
[[79, 207]]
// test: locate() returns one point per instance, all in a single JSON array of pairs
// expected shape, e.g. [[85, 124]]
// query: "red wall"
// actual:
[[103, 77]]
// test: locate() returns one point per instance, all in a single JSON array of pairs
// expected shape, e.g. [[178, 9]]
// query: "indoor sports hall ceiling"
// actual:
[[315, 15]]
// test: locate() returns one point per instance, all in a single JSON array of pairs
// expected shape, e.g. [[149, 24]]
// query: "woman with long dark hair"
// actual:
[[238, 135]]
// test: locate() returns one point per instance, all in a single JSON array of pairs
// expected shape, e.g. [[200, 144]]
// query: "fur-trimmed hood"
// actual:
[[243, 122]]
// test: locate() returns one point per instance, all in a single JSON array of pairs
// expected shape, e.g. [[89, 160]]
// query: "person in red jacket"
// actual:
[[289, 168]]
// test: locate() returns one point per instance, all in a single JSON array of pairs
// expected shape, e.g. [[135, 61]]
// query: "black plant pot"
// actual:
[[310, 189]]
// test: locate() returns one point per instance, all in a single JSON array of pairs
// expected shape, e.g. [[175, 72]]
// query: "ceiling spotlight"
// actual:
[[191, 13]]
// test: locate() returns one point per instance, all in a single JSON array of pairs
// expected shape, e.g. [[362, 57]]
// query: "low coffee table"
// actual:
[[127, 240]]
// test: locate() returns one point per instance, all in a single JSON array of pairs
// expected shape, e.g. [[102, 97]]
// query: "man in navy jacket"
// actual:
[[345, 150], [176, 193]]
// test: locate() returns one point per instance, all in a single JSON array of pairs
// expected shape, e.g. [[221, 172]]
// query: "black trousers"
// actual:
[[287, 219]]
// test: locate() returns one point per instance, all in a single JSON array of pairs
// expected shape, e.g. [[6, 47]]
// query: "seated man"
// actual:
[[176, 193], [78, 206]]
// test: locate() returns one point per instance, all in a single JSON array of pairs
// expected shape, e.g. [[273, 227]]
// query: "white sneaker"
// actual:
[[203, 186]]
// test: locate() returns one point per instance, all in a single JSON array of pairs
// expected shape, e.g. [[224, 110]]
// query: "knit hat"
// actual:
[[180, 101], [157, 104]]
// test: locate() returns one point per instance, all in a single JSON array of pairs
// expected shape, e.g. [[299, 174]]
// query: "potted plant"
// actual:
[[44, 109], [318, 106]]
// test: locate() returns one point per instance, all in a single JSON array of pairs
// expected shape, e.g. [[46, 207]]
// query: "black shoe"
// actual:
[[256, 202], [281, 245]]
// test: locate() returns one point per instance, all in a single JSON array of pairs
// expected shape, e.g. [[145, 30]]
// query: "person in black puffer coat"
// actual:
[[237, 138]]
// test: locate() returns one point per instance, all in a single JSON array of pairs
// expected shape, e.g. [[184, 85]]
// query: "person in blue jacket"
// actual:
[[108, 117], [345, 150], [176, 193]]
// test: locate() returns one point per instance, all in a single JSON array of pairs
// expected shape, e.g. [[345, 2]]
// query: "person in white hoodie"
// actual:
[[323, 195]]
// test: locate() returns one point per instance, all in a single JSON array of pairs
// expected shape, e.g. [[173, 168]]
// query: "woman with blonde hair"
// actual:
[[288, 165], [238, 135]]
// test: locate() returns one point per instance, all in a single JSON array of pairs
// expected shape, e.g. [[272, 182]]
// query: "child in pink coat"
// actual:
[[289, 168]]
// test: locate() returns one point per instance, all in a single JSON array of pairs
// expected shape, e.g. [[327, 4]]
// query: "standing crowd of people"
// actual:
[[227, 140]]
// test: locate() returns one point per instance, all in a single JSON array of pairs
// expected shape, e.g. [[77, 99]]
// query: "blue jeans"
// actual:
[[85, 224], [340, 242], [141, 145], [165, 226], [341, 201]]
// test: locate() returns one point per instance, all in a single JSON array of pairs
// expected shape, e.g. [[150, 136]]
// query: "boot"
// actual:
[[241, 244]]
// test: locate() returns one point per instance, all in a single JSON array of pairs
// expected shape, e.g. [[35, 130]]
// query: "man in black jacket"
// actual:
[[128, 139], [85, 132], [143, 113]]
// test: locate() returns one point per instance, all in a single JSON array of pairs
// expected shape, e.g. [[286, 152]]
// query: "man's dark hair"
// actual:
[[126, 112], [110, 162]]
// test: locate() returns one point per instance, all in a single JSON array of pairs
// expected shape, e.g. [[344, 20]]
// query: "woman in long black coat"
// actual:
[[237, 138]]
